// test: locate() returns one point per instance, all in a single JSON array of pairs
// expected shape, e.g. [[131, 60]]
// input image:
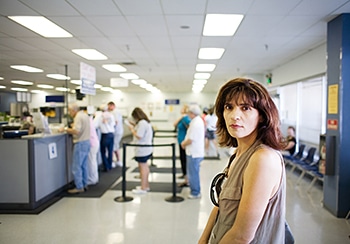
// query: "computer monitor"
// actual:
[[41, 123]]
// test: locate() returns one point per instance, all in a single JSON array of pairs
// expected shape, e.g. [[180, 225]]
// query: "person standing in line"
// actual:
[[105, 122], [181, 125], [143, 135], [118, 134], [194, 147], [81, 140], [250, 204], [93, 177]]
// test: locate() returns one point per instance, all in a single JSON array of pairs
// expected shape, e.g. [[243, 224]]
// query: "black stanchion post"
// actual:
[[124, 198], [174, 198]]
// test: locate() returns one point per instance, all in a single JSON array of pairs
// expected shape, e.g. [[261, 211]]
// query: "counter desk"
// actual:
[[33, 171]]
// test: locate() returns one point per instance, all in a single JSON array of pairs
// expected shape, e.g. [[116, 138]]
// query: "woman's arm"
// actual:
[[261, 180], [209, 226]]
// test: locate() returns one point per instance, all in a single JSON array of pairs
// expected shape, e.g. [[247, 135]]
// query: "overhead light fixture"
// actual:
[[210, 53], [2, 87], [41, 25], [1, 78], [97, 86], [37, 91], [90, 54], [22, 82], [76, 82], [19, 89], [58, 76], [26, 68], [202, 76], [114, 67], [205, 67], [107, 89], [221, 24], [199, 82], [139, 82], [44, 86], [129, 76], [63, 89]]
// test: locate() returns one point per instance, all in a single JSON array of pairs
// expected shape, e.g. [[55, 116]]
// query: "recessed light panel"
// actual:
[[26, 68], [205, 67], [221, 24], [114, 67], [90, 54], [41, 25], [210, 53]]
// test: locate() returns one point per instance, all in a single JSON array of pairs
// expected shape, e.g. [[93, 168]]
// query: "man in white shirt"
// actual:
[[194, 146], [118, 133]]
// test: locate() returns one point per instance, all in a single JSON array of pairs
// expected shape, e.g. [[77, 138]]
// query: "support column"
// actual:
[[336, 187]]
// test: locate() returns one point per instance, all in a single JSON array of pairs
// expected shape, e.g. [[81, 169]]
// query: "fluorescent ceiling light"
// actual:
[[89, 54], [210, 53], [1, 78], [202, 76], [64, 89], [97, 86], [105, 88], [26, 68], [139, 82], [19, 89], [44, 86], [221, 24], [76, 82], [205, 67], [41, 25], [114, 67], [58, 76], [199, 82], [22, 82], [37, 91], [2, 87], [129, 76]]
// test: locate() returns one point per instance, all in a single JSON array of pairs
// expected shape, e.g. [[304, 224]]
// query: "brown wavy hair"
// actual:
[[257, 96], [138, 115]]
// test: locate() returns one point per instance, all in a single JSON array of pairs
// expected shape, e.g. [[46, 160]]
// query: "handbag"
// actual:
[[289, 238]]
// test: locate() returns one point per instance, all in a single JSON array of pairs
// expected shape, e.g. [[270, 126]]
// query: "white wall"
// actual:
[[308, 65]]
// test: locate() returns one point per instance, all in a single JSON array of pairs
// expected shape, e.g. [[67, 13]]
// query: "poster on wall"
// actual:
[[88, 79]]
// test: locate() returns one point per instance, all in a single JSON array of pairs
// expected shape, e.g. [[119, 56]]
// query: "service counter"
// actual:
[[33, 171]]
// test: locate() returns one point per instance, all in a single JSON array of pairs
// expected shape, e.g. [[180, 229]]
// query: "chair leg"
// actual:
[[348, 215], [300, 177], [312, 184]]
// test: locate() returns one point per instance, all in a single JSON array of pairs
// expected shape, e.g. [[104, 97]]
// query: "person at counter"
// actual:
[[81, 139], [28, 123]]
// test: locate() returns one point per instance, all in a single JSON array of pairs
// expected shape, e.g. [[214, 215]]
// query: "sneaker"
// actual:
[[194, 196], [139, 188], [75, 191], [139, 191], [114, 164], [119, 164]]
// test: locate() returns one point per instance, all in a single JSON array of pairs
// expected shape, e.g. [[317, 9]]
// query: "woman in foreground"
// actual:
[[250, 207]]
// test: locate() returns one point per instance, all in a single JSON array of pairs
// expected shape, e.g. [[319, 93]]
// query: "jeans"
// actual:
[[193, 165], [80, 163], [107, 142]]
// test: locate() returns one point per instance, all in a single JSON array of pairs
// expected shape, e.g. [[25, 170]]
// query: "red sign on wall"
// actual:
[[332, 124]]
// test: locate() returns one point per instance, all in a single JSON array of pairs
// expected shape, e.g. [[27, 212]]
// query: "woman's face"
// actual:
[[241, 119]]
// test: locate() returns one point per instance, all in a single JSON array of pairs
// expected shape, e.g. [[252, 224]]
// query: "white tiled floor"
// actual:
[[151, 219]]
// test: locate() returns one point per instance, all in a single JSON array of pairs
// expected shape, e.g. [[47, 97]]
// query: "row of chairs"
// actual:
[[306, 165]]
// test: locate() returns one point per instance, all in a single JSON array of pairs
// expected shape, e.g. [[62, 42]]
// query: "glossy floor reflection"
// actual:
[[151, 219]]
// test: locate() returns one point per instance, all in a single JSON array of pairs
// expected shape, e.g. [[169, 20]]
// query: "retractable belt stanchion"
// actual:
[[174, 198], [125, 198]]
